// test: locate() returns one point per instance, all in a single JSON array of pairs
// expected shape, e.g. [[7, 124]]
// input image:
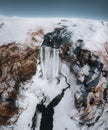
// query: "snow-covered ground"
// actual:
[[17, 29], [32, 94], [94, 34]]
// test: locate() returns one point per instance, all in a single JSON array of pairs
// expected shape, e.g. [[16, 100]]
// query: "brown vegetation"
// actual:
[[35, 37], [17, 64]]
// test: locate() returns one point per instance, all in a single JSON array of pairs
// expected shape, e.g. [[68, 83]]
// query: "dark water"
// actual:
[[48, 112]]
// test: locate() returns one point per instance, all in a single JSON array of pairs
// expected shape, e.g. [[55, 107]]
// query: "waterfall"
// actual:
[[49, 58], [55, 62]]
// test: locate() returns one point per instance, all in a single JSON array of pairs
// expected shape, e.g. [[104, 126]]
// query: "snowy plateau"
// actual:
[[69, 88]]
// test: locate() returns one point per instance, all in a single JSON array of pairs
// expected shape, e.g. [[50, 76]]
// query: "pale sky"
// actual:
[[93, 9]]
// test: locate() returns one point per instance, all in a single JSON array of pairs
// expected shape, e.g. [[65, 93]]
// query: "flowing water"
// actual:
[[50, 62], [61, 107]]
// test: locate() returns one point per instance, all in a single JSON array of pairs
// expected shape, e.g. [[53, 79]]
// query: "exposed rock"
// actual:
[[17, 64], [1, 24], [89, 71], [90, 99], [56, 38], [104, 56]]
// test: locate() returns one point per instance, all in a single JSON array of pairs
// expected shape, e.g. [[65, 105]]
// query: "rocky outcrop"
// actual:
[[17, 64], [90, 69], [56, 38], [104, 55], [91, 75]]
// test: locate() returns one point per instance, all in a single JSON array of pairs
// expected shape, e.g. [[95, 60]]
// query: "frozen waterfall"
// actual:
[[50, 62]]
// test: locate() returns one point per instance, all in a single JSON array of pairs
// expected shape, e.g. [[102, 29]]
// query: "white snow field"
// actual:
[[15, 29]]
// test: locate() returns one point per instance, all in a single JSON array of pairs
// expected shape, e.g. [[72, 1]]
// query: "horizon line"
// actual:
[[52, 17]]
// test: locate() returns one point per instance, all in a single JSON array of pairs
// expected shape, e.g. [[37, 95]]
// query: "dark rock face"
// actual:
[[56, 38], [17, 64], [93, 82]]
